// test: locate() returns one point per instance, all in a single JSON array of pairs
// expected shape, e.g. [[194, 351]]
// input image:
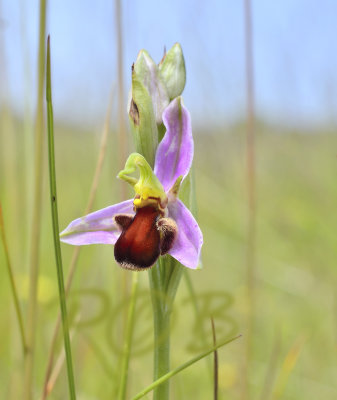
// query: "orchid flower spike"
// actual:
[[155, 221]]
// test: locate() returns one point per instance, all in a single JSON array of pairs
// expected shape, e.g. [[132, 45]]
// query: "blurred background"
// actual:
[[293, 340]]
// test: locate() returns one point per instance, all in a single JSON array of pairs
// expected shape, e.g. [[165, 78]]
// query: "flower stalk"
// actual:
[[161, 322]]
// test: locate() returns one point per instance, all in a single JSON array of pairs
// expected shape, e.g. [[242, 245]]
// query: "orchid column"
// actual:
[[155, 230]]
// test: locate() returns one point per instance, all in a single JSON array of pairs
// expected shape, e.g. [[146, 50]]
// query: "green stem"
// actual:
[[161, 320], [56, 231], [166, 377], [161, 353], [12, 281], [36, 214], [128, 338]]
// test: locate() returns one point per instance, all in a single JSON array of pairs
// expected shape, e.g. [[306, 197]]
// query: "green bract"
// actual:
[[142, 119], [148, 73]]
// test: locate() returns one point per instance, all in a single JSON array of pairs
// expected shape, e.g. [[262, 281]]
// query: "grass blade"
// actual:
[[12, 281], [76, 252], [56, 233], [175, 371], [36, 212], [216, 363], [271, 368], [128, 338], [251, 197]]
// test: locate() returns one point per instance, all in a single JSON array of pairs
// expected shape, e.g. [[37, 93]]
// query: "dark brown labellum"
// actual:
[[138, 246], [144, 238]]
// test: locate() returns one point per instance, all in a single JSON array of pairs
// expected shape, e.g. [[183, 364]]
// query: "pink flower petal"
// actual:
[[97, 227], [187, 246], [175, 152]]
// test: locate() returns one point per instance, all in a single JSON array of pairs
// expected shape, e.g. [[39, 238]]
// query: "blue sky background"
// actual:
[[294, 51]]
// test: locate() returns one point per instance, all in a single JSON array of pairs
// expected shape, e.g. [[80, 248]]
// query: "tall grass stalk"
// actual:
[[196, 309], [271, 369], [128, 338], [56, 232], [36, 212], [122, 139], [251, 193], [175, 371], [12, 282], [215, 364], [28, 156], [76, 252]]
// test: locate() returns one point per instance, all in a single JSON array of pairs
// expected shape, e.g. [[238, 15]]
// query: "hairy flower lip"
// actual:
[[172, 163], [144, 237], [138, 246]]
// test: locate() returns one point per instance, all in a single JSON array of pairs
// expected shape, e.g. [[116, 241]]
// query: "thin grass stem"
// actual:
[[128, 338], [57, 368], [12, 282], [122, 141], [100, 355], [215, 364], [122, 138], [251, 193], [176, 371], [56, 231], [271, 369], [36, 212], [76, 252]]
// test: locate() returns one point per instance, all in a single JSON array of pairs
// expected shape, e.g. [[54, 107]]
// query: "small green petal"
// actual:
[[148, 189]]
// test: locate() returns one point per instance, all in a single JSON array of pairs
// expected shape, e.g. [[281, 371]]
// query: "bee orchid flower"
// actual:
[[155, 222]]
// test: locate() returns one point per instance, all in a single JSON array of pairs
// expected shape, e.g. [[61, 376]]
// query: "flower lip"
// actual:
[[144, 238], [138, 246]]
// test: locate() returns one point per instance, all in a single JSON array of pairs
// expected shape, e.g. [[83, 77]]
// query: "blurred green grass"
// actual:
[[296, 268]]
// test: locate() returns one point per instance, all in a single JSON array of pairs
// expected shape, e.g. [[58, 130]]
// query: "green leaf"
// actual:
[[175, 371]]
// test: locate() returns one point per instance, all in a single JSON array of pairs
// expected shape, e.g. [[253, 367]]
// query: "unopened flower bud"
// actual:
[[148, 73], [172, 68]]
